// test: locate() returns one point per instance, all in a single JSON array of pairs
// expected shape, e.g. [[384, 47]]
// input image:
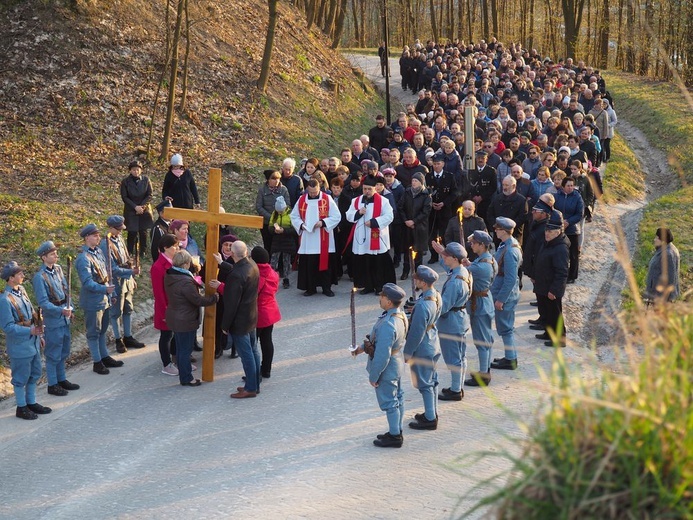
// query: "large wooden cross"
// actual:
[[213, 218]]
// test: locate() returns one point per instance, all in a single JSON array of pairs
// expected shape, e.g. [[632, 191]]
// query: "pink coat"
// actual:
[[157, 273], [267, 306]]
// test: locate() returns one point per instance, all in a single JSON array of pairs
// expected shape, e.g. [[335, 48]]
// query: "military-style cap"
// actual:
[[161, 206], [455, 249], [480, 237], [438, 157], [9, 270], [555, 220], [135, 164], [89, 229], [504, 223], [482, 152], [47, 247], [426, 274], [116, 222], [542, 206], [394, 293]]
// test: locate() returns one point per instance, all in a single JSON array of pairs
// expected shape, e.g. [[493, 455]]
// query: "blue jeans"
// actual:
[[246, 346], [185, 341]]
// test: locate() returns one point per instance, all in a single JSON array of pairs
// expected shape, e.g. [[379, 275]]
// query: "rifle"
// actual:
[[109, 266], [68, 296]]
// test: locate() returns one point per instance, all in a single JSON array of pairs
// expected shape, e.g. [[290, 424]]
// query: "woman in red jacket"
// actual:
[[168, 246], [267, 307]]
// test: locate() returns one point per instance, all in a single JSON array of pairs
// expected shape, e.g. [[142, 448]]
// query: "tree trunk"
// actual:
[[362, 6], [357, 33], [629, 58], [328, 28], [184, 89], [339, 24], [460, 16], [604, 28], [168, 128], [434, 22], [494, 17], [530, 40], [269, 45], [484, 16], [310, 13], [572, 17]]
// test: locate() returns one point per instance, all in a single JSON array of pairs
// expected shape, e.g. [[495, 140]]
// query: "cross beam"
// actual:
[[213, 218]]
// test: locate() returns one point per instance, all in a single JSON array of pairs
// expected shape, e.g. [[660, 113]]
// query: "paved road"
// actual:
[[135, 444]]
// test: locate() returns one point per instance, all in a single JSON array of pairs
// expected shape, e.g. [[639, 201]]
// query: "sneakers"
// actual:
[[170, 370]]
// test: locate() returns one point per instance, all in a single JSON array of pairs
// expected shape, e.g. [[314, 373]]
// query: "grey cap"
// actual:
[[89, 229], [419, 177], [47, 247], [116, 221], [504, 223], [280, 204], [394, 293], [426, 274], [455, 249], [481, 237], [10, 269]]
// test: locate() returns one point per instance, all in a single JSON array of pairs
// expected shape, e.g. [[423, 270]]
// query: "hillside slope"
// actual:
[[78, 86]]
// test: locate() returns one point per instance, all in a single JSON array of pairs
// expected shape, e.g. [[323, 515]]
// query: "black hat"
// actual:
[[369, 180], [260, 255]]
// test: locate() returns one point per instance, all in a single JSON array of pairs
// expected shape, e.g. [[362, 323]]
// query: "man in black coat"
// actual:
[[535, 239], [378, 134], [482, 183], [551, 275], [443, 189], [240, 316], [509, 203], [470, 222]]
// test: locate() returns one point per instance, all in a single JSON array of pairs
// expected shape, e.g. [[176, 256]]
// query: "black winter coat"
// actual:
[[182, 190], [240, 298], [137, 192], [417, 208], [535, 240], [551, 267]]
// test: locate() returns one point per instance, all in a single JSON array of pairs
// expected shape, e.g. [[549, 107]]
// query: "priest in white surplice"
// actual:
[[314, 218], [372, 214]]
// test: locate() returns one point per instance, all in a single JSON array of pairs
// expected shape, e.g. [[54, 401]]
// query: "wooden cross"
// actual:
[[213, 218]]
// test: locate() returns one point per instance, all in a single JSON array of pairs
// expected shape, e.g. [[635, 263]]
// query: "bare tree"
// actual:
[[170, 105], [269, 45]]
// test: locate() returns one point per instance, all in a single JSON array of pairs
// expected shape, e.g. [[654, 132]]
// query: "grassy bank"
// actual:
[[623, 177], [662, 113]]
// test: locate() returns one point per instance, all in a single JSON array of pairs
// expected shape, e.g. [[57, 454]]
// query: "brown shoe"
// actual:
[[243, 394]]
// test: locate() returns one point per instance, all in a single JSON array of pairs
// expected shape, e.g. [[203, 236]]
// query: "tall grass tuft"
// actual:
[[618, 446]]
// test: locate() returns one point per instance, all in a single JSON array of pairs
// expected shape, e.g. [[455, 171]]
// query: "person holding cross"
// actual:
[[314, 218]]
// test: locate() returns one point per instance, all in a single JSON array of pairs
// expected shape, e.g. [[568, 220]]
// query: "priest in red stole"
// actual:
[[370, 239], [314, 218]]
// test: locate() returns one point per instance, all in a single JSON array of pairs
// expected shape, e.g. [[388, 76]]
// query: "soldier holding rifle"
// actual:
[[24, 335], [386, 362], [52, 289], [95, 297]]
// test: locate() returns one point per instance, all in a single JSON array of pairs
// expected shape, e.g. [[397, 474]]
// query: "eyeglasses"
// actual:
[[532, 153]]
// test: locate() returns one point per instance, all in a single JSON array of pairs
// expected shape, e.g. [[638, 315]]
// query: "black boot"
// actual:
[[389, 441], [39, 409], [448, 395], [112, 363], [121, 348], [131, 342], [422, 423], [68, 386], [23, 412], [100, 368], [57, 390]]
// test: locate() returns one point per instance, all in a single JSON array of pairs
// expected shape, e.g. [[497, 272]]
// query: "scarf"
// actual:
[[375, 232], [177, 173], [323, 213]]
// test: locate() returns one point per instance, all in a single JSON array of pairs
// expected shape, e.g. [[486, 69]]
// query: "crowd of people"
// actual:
[[400, 193]]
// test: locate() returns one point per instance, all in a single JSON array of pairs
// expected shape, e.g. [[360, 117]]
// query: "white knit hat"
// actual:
[[177, 160]]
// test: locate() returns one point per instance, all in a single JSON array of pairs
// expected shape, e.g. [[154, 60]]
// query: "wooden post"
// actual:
[[213, 218]]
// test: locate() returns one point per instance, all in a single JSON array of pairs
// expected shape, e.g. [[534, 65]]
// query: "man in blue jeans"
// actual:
[[240, 316]]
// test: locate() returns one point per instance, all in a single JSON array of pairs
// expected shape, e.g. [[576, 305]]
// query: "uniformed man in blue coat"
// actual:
[[50, 288], [483, 270], [95, 297], [125, 284], [422, 348], [24, 338], [386, 362], [506, 290], [453, 323]]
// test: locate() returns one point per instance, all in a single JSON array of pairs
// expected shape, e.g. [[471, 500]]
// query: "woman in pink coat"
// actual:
[[267, 307], [168, 246]]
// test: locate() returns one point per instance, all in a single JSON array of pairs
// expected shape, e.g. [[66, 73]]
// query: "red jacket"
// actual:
[[267, 306], [157, 273]]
